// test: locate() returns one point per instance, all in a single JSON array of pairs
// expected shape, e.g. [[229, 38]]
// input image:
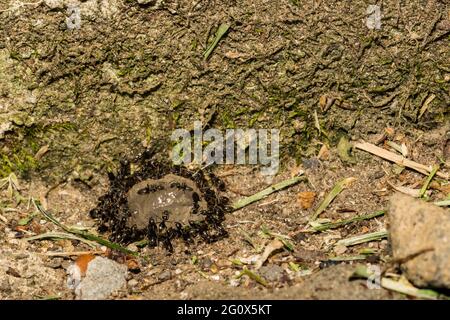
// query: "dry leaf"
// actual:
[[409, 191], [14, 180], [270, 248], [324, 153], [323, 101], [214, 268], [445, 189], [296, 171], [83, 261], [389, 131], [233, 54], [42, 151], [133, 265], [21, 228], [306, 199]]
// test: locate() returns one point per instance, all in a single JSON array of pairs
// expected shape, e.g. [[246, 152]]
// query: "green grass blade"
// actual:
[[223, 29], [338, 187], [373, 236], [264, 193]]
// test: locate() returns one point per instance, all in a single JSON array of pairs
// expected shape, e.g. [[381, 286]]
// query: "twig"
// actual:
[[337, 224], [264, 193], [378, 235], [385, 154]]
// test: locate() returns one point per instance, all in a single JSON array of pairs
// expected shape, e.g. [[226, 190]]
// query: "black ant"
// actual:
[[152, 233], [150, 189], [181, 186]]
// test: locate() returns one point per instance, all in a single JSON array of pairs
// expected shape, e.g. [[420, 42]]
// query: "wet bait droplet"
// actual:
[[161, 202], [173, 195]]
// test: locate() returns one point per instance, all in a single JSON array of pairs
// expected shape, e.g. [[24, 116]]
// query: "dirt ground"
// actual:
[[73, 103]]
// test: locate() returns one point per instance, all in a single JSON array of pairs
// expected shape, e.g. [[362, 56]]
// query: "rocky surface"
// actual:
[[103, 277], [416, 226], [23, 273]]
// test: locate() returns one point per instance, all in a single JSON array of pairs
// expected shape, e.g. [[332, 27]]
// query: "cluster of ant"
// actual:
[[113, 212]]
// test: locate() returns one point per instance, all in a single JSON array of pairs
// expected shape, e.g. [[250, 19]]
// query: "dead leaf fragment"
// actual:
[[273, 246], [83, 261], [324, 153], [306, 199], [323, 101], [233, 54], [133, 265], [41, 152]]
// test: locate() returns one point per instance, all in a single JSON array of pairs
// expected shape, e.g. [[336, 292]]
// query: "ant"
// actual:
[[181, 186], [150, 189], [152, 233]]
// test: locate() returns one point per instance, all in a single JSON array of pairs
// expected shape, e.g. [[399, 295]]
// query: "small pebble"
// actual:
[[65, 264], [206, 263], [54, 263], [165, 275], [215, 277], [235, 282], [178, 271], [272, 272], [133, 283]]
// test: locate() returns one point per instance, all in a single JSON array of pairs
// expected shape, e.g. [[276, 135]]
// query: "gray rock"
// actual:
[[272, 272], [165, 275], [415, 226], [103, 277]]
